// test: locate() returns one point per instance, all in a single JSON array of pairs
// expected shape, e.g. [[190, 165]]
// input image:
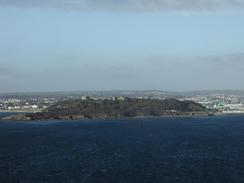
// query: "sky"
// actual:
[[170, 45]]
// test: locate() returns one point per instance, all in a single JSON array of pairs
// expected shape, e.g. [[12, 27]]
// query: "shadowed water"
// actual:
[[123, 151]]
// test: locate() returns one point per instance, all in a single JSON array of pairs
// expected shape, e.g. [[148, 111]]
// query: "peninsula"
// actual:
[[113, 109]]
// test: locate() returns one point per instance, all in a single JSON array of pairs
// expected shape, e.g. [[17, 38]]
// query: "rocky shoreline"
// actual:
[[23, 117]]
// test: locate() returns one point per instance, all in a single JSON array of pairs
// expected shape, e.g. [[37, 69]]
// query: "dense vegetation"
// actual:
[[107, 109]]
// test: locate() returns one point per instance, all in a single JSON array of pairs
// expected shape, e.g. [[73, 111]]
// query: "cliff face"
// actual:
[[109, 109]]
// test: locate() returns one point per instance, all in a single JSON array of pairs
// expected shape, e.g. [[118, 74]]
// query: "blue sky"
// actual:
[[104, 45]]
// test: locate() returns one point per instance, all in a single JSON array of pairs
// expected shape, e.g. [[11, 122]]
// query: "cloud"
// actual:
[[224, 63], [6, 71], [131, 5], [165, 72], [227, 61], [199, 72], [155, 72]]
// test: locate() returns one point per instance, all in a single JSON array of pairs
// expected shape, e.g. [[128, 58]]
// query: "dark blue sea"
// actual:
[[153, 150]]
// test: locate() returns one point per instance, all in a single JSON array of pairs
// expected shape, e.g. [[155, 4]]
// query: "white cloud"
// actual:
[[155, 72]]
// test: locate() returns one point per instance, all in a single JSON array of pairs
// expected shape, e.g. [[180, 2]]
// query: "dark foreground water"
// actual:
[[123, 151]]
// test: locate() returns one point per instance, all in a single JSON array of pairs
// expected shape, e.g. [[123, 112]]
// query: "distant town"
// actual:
[[223, 102], [226, 104]]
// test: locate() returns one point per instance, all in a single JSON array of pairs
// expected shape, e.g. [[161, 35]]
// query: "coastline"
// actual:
[[28, 116], [112, 109], [20, 111], [22, 117], [122, 118]]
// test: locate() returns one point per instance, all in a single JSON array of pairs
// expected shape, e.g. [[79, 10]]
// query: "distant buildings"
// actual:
[[119, 98], [221, 103], [25, 104]]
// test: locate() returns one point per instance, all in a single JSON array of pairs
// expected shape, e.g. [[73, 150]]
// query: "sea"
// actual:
[[149, 150]]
